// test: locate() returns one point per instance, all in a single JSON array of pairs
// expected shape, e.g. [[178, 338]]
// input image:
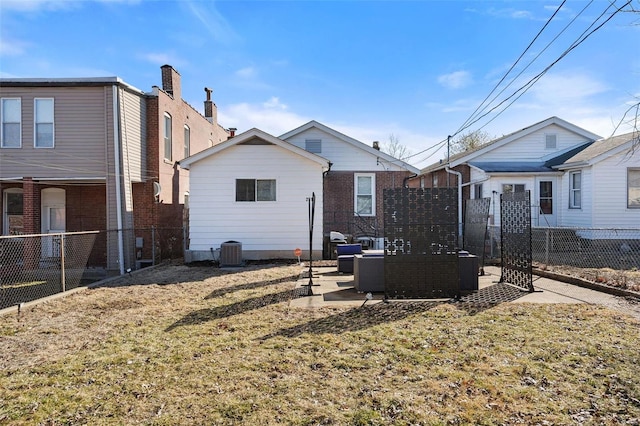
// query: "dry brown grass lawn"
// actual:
[[196, 345]]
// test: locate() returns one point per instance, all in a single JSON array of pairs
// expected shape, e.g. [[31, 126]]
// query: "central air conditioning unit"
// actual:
[[231, 253]]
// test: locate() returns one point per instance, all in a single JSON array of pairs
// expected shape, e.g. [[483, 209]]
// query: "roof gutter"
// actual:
[[326, 172], [406, 178], [459, 180]]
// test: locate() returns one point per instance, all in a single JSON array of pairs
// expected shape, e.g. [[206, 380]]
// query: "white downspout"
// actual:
[[118, 173], [453, 172]]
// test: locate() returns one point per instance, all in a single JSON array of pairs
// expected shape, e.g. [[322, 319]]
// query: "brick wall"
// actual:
[[85, 208], [167, 210], [338, 212]]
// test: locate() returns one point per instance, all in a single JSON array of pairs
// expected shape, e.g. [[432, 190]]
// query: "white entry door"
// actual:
[[53, 220]]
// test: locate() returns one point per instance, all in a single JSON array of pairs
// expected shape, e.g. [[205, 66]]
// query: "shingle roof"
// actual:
[[602, 146]]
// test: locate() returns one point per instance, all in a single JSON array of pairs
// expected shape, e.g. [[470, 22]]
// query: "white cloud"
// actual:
[[567, 87], [36, 5], [510, 13], [213, 21], [271, 116], [455, 80], [9, 47], [249, 78]]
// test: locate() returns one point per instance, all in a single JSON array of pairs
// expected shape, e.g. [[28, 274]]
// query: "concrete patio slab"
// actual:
[[330, 288]]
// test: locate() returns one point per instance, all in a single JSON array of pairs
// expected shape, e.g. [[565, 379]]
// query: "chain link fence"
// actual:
[[37, 266], [606, 256]]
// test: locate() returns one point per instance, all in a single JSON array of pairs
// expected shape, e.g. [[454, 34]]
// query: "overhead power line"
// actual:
[[511, 68], [524, 88]]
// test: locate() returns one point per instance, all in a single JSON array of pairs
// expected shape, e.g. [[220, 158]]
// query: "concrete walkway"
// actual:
[[331, 288]]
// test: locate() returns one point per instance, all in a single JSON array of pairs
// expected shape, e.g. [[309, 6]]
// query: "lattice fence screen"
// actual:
[[515, 229], [421, 243]]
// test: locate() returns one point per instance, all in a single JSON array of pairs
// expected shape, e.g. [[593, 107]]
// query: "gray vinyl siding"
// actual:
[[80, 134], [133, 134]]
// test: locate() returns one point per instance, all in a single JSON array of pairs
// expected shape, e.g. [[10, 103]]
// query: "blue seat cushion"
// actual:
[[345, 249]]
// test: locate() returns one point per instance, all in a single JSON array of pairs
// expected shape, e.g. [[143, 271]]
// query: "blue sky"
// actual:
[[416, 70]]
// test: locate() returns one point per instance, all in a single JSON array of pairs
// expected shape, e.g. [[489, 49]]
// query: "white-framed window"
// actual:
[[187, 141], [167, 137], [575, 190], [43, 123], [551, 141], [11, 131], [477, 191], [365, 194], [255, 190], [313, 145], [512, 187], [633, 188], [546, 197]]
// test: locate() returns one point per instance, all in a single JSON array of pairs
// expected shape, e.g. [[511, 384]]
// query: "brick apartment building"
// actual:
[[99, 154]]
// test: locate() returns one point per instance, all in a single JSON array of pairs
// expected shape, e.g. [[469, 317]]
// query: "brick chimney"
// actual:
[[210, 109], [232, 132], [171, 81]]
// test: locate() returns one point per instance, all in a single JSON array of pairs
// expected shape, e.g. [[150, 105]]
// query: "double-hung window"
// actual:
[[512, 187], [575, 190], [365, 194], [43, 123], [187, 141], [255, 190], [633, 188], [167, 137], [11, 131]]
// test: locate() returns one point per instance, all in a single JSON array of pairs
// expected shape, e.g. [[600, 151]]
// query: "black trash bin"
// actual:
[[468, 269]]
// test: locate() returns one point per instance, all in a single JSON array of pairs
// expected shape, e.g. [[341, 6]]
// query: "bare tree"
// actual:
[[394, 148], [468, 141], [631, 118]]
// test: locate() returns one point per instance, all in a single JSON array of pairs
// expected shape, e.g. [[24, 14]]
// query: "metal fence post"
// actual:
[[153, 245], [62, 268], [546, 246]]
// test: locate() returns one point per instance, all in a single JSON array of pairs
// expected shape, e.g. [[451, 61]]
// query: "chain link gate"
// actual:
[[421, 243]]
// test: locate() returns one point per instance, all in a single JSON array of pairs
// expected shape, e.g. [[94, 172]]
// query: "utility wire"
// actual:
[[524, 88], [513, 80], [511, 68]]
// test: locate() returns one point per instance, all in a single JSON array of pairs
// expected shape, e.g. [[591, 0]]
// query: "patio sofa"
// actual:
[[345, 253]]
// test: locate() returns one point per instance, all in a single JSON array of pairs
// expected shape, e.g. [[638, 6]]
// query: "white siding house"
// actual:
[[254, 189], [344, 152], [524, 160], [601, 185]]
